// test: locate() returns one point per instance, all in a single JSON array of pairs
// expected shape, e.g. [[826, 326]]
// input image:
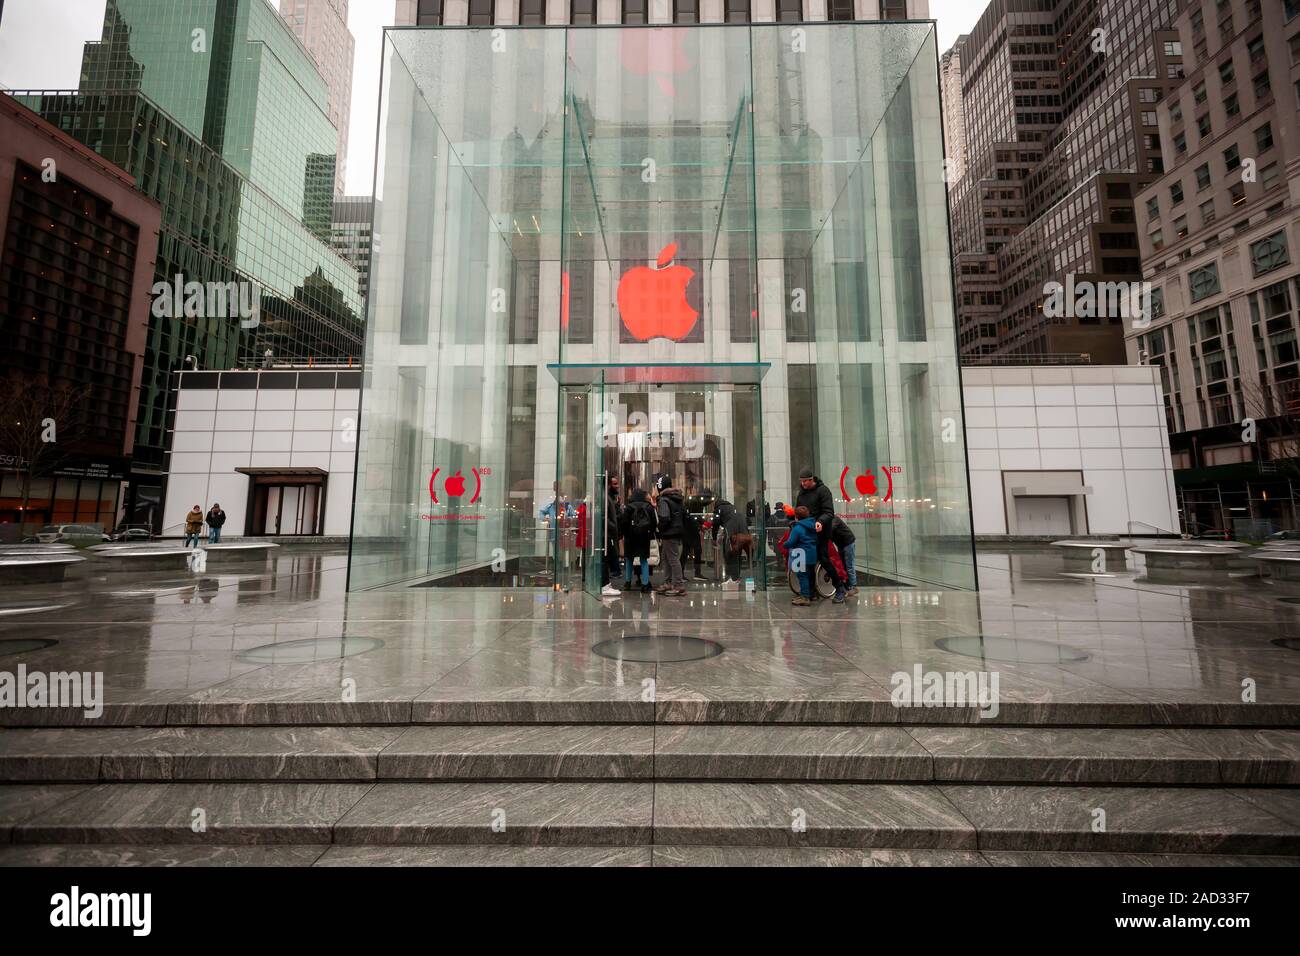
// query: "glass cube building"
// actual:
[[714, 252]]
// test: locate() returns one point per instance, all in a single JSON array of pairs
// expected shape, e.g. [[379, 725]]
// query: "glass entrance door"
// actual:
[[599, 424]]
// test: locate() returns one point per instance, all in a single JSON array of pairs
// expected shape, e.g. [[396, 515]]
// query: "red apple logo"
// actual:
[[866, 484], [455, 485], [653, 302], [657, 53]]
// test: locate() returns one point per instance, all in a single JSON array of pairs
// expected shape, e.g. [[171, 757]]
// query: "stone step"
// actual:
[[85, 855], [780, 752], [600, 704], [961, 818]]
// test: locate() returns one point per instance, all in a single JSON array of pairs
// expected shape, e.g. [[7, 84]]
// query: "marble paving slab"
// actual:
[[787, 752], [223, 813], [484, 856], [718, 856], [1141, 820], [589, 814], [74, 855], [777, 814], [537, 751]]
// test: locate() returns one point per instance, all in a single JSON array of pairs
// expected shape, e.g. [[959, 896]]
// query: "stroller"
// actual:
[[822, 585]]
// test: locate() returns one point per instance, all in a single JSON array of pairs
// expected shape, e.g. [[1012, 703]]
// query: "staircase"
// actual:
[[561, 779]]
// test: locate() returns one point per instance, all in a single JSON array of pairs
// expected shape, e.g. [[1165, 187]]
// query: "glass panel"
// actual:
[[717, 253]]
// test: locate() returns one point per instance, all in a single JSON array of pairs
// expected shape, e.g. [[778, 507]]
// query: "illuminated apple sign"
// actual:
[[658, 54], [653, 302]]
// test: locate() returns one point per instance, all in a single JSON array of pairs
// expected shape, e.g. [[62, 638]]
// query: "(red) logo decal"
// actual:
[[656, 53], [865, 483], [652, 302], [455, 485]]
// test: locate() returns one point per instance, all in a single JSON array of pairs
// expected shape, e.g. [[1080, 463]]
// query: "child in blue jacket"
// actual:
[[802, 547]]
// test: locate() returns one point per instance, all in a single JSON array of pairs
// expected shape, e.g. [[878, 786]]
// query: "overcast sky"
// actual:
[[41, 40]]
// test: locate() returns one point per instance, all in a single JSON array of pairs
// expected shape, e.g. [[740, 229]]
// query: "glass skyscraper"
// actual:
[[220, 114]]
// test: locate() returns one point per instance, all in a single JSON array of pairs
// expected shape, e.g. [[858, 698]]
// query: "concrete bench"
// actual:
[[237, 552], [17, 550], [1093, 557], [1280, 565], [36, 568], [1184, 563], [142, 557]]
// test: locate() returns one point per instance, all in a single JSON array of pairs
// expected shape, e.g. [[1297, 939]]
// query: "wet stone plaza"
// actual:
[[1053, 717]]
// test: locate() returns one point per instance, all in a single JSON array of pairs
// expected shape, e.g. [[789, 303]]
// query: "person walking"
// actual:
[[609, 565], [846, 541], [736, 539], [801, 546], [216, 518], [193, 526], [670, 509], [692, 541], [638, 526], [816, 497]]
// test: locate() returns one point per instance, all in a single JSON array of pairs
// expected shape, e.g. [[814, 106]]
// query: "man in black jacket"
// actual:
[[816, 497], [609, 565], [671, 510]]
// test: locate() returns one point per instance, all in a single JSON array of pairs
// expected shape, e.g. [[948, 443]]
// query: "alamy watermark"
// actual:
[[922, 688], [178, 299], [78, 690], [1085, 299]]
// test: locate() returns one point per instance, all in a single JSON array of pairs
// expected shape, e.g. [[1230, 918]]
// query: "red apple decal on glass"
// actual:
[[866, 484], [653, 302], [660, 54], [455, 485]]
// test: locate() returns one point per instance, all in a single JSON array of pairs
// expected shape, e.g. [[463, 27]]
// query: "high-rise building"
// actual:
[[220, 114], [432, 13], [322, 26], [1219, 235], [77, 248], [1058, 105], [954, 113], [350, 236]]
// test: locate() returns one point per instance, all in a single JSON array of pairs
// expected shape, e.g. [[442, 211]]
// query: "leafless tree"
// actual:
[[1275, 414], [38, 423]]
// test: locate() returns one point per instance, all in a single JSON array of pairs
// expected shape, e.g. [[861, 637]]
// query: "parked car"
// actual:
[[133, 532], [1283, 536], [81, 535]]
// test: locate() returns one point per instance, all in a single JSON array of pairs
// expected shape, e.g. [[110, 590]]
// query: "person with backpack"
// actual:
[[638, 526], [670, 510], [846, 543]]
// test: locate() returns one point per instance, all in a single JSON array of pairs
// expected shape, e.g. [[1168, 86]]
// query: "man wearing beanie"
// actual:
[[671, 512], [816, 497]]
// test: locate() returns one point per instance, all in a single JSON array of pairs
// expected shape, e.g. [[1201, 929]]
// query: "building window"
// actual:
[[1176, 193], [1256, 49], [1180, 142], [481, 12], [1202, 177], [1263, 87], [1173, 48], [1203, 126], [1268, 176], [686, 11], [1231, 157], [1232, 106], [429, 13], [1227, 73], [839, 10], [1207, 212], [1269, 254], [1158, 239], [532, 12], [634, 12], [1203, 283], [1180, 227], [1264, 138], [737, 11], [1158, 307], [582, 12], [1237, 193], [1176, 113], [893, 10], [1153, 208], [1198, 93], [789, 11]]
